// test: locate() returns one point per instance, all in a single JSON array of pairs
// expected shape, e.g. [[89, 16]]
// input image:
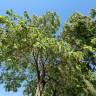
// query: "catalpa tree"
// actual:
[[27, 47], [29, 51]]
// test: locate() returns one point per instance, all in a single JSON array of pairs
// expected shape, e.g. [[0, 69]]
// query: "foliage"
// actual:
[[80, 32], [31, 56]]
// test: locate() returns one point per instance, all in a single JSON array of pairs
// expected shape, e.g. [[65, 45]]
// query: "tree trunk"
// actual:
[[39, 89]]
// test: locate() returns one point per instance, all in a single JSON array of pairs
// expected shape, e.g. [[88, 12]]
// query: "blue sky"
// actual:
[[64, 9]]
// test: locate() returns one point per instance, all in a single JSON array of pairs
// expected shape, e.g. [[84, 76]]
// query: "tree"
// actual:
[[80, 32], [31, 53], [28, 48]]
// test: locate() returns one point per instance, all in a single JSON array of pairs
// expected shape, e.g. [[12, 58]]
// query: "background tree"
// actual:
[[80, 32]]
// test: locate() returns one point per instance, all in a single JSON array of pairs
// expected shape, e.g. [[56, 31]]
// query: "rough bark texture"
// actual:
[[39, 89], [40, 73], [41, 82]]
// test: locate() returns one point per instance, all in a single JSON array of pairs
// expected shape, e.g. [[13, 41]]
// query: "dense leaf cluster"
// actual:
[[32, 57]]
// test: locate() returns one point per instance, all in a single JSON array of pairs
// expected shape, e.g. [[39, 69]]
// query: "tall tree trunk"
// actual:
[[39, 89], [40, 74], [41, 83]]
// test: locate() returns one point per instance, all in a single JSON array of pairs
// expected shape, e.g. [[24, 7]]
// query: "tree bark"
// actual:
[[39, 89], [40, 74], [40, 84]]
